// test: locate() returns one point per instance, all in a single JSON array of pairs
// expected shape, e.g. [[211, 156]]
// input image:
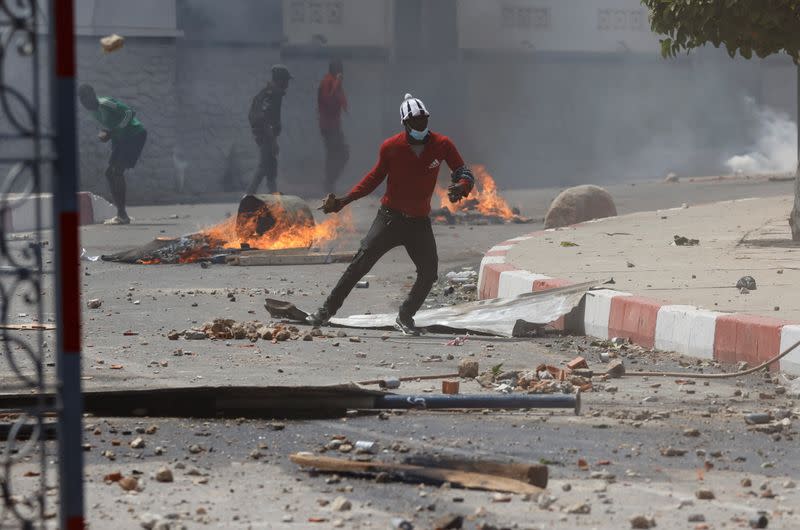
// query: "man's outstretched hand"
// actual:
[[457, 191], [333, 204]]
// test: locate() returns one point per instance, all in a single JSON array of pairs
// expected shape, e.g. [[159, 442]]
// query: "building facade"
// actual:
[[543, 92]]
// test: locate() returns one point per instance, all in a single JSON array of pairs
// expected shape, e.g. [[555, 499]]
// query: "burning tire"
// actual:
[[258, 214]]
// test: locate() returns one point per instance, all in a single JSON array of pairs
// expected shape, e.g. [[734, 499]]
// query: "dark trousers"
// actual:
[[389, 230], [337, 153], [125, 153], [267, 167]]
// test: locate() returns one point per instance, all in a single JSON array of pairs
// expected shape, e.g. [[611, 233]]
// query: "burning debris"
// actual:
[[263, 222], [274, 222], [484, 205]]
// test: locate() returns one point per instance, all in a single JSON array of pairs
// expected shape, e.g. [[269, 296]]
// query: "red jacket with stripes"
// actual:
[[411, 179]]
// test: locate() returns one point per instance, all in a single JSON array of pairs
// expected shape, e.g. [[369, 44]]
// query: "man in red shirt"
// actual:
[[410, 162], [331, 101]]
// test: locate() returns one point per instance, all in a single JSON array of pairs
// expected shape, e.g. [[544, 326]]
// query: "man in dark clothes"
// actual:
[[119, 124], [331, 101], [265, 122], [411, 161]]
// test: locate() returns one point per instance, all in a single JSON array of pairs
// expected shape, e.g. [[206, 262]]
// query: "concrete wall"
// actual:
[[587, 26], [338, 22], [216, 86], [549, 120], [139, 18], [551, 117]]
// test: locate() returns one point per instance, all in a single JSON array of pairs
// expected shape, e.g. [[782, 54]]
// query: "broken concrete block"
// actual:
[[112, 43], [164, 474], [341, 504], [468, 369], [615, 368], [577, 362]]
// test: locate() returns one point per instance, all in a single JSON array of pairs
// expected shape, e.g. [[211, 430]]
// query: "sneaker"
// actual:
[[118, 220], [406, 325], [319, 318]]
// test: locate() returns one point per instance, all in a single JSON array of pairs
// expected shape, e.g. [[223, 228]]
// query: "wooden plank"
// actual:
[[535, 474], [466, 479], [311, 258], [28, 327]]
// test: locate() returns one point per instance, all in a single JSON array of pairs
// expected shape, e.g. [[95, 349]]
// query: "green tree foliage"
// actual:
[[760, 27]]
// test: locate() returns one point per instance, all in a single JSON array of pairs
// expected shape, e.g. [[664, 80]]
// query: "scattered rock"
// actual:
[[148, 521], [691, 433], [683, 241], [672, 451], [579, 508], [746, 483], [615, 368], [759, 521], [398, 523], [341, 504], [643, 521], [94, 303], [758, 418], [449, 522], [468, 369], [137, 443], [194, 334], [697, 518], [545, 501], [672, 178], [746, 282], [164, 474], [128, 483], [704, 494], [741, 366], [578, 204]]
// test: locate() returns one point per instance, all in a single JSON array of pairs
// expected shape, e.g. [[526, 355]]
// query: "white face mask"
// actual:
[[418, 135]]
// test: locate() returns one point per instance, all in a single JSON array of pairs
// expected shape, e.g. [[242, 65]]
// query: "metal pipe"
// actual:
[[67, 264], [480, 401]]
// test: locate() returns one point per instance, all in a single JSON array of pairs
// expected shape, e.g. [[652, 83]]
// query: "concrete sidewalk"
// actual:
[[682, 298]]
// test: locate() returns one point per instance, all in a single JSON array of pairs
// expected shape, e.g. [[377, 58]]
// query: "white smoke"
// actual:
[[775, 148]]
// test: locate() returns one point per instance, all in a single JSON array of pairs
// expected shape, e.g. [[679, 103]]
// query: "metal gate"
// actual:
[[39, 269]]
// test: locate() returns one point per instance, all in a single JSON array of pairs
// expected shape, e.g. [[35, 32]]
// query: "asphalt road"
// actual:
[[224, 486]]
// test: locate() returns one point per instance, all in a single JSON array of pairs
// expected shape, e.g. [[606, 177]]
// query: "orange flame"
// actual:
[[484, 197], [288, 231]]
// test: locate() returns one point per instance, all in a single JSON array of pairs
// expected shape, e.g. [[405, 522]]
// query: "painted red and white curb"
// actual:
[[689, 330], [19, 212]]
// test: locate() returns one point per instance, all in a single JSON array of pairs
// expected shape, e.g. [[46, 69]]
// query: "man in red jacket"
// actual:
[[331, 101], [410, 162]]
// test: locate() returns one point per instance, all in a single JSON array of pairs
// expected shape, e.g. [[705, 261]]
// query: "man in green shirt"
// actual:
[[118, 123]]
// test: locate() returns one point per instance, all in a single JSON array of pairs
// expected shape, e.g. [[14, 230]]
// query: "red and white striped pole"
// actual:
[[67, 265]]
